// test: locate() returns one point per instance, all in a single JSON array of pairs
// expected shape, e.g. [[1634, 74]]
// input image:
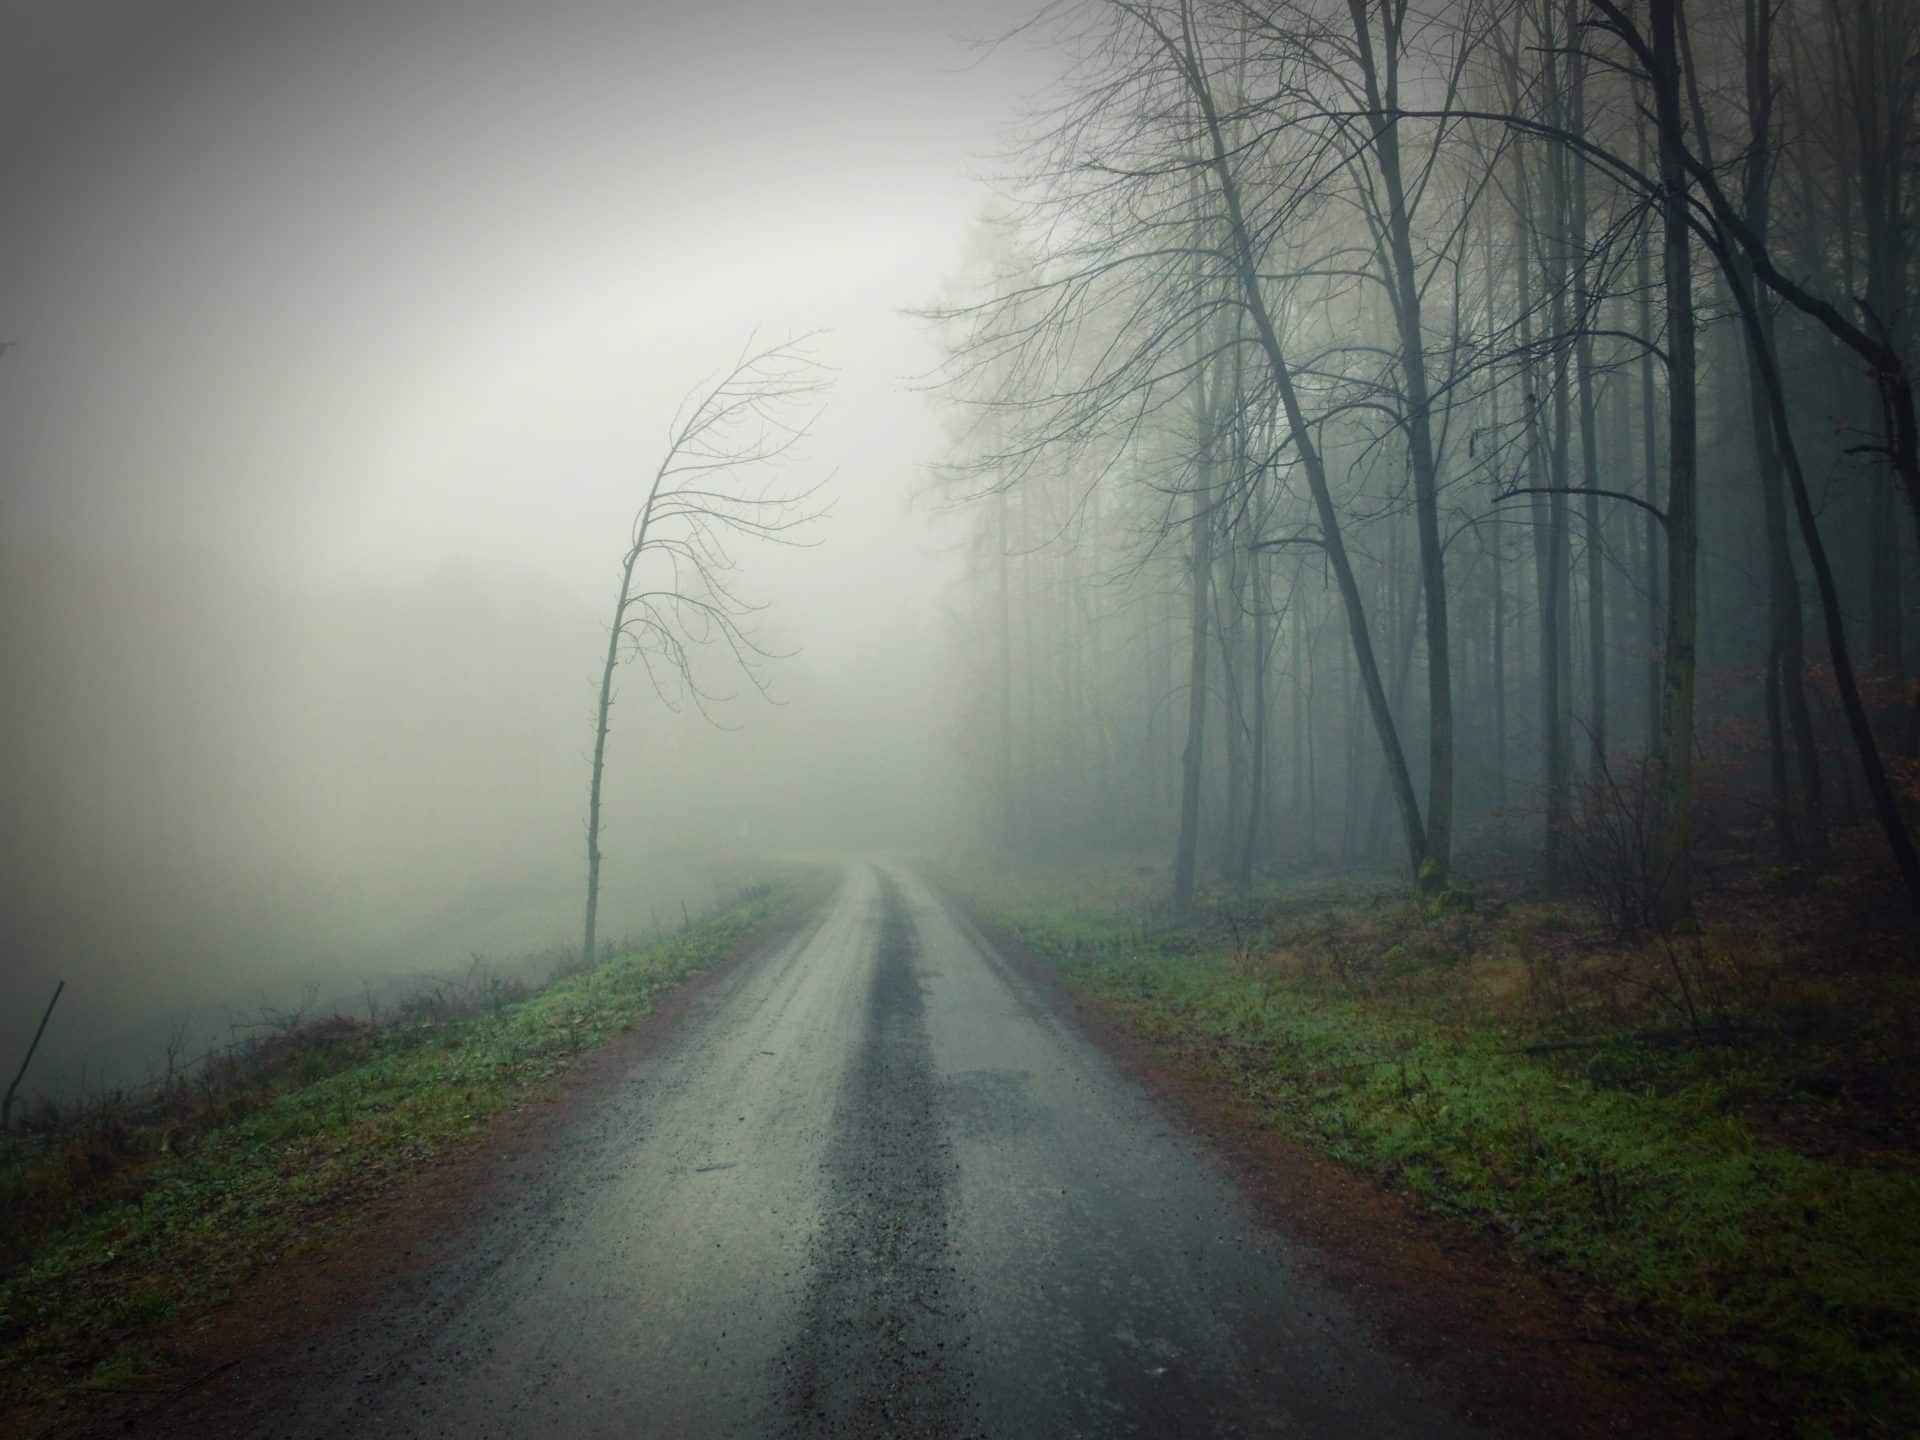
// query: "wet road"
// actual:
[[872, 1186]]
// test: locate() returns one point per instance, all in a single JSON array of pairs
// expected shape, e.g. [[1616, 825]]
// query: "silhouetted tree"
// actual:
[[676, 594]]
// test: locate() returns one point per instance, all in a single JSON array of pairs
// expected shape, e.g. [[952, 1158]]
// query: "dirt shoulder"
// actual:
[[1526, 1357], [223, 1370]]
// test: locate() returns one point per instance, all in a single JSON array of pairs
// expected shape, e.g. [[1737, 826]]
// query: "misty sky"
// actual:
[[354, 288], [342, 336]]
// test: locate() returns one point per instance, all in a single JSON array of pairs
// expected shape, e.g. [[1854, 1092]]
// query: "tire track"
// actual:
[[876, 1353]]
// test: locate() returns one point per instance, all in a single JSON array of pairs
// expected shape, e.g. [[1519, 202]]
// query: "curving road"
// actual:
[[873, 1186]]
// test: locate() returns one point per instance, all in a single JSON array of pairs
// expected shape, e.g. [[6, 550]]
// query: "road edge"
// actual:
[[230, 1364], [1517, 1355]]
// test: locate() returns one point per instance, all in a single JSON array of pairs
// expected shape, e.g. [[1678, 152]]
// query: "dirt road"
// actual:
[[873, 1185]]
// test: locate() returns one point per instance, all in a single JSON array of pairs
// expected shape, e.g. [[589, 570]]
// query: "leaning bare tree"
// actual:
[[711, 488]]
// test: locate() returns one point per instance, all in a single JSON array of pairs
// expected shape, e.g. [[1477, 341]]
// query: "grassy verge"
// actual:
[[1718, 1138], [283, 1169]]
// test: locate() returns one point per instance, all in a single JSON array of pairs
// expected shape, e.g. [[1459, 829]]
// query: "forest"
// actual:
[[1451, 431], [1041, 718]]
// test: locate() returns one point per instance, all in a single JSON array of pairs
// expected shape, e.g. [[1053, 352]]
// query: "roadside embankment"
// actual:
[[148, 1209], [1710, 1139]]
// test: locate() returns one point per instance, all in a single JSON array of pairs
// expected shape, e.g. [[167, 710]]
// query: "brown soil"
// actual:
[[226, 1366]]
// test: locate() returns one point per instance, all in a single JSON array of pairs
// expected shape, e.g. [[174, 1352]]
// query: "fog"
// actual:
[[340, 343], [1218, 517], [1223, 627]]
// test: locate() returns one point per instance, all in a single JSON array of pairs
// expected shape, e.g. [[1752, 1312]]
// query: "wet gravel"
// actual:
[[873, 1355], [874, 1184]]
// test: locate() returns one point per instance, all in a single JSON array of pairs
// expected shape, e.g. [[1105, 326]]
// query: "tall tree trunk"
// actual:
[[1883, 582], [1548, 510], [1403, 625], [602, 723], [1306, 680], [1653, 535], [1550, 659], [1200, 573], [1497, 647], [1003, 761], [1030, 773], [1247, 273], [600, 726], [1229, 627], [1674, 853], [1557, 596], [1382, 88], [1256, 797], [1886, 806], [1166, 757], [1802, 829], [1351, 730], [1497, 651], [1071, 724], [1883, 136], [1589, 435]]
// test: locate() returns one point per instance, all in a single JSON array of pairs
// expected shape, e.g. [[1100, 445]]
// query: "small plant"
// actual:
[[1612, 844], [116, 1212], [1712, 1129]]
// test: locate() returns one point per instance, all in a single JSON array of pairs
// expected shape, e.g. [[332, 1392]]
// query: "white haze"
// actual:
[[341, 340]]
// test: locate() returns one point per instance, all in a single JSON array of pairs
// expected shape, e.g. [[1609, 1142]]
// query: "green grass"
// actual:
[[1628, 1165], [294, 1174]]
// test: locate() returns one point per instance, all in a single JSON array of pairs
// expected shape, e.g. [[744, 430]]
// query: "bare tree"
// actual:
[[676, 578], [1176, 33], [1801, 832], [1281, 191], [1392, 228]]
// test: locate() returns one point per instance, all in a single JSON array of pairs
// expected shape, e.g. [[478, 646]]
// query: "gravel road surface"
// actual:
[[874, 1185]]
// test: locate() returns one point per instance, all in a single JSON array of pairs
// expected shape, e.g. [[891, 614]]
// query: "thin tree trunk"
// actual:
[[1382, 87], [1246, 267], [1349, 759], [1650, 467], [1883, 583], [1548, 677], [1200, 572], [1881, 137], [1306, 680], [1498, 645], [1886, 807], [1030, 773], [601, 724], [1069, 724], [1229, 625], [1165, 759], [1786, 663], [1402, 628], [1675, 841], [1498, 651], [1256, 798], [1589, 434], [1199, 568], [1004, 748], [1557, 596]]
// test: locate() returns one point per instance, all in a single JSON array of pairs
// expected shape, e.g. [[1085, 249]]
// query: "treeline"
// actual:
[[1394, 424]]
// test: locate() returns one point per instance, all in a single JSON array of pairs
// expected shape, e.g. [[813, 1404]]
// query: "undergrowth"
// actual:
[[287, 1166], [1717, 1134]]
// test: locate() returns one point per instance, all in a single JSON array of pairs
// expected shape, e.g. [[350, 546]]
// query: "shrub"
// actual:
[[1613, 843]]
